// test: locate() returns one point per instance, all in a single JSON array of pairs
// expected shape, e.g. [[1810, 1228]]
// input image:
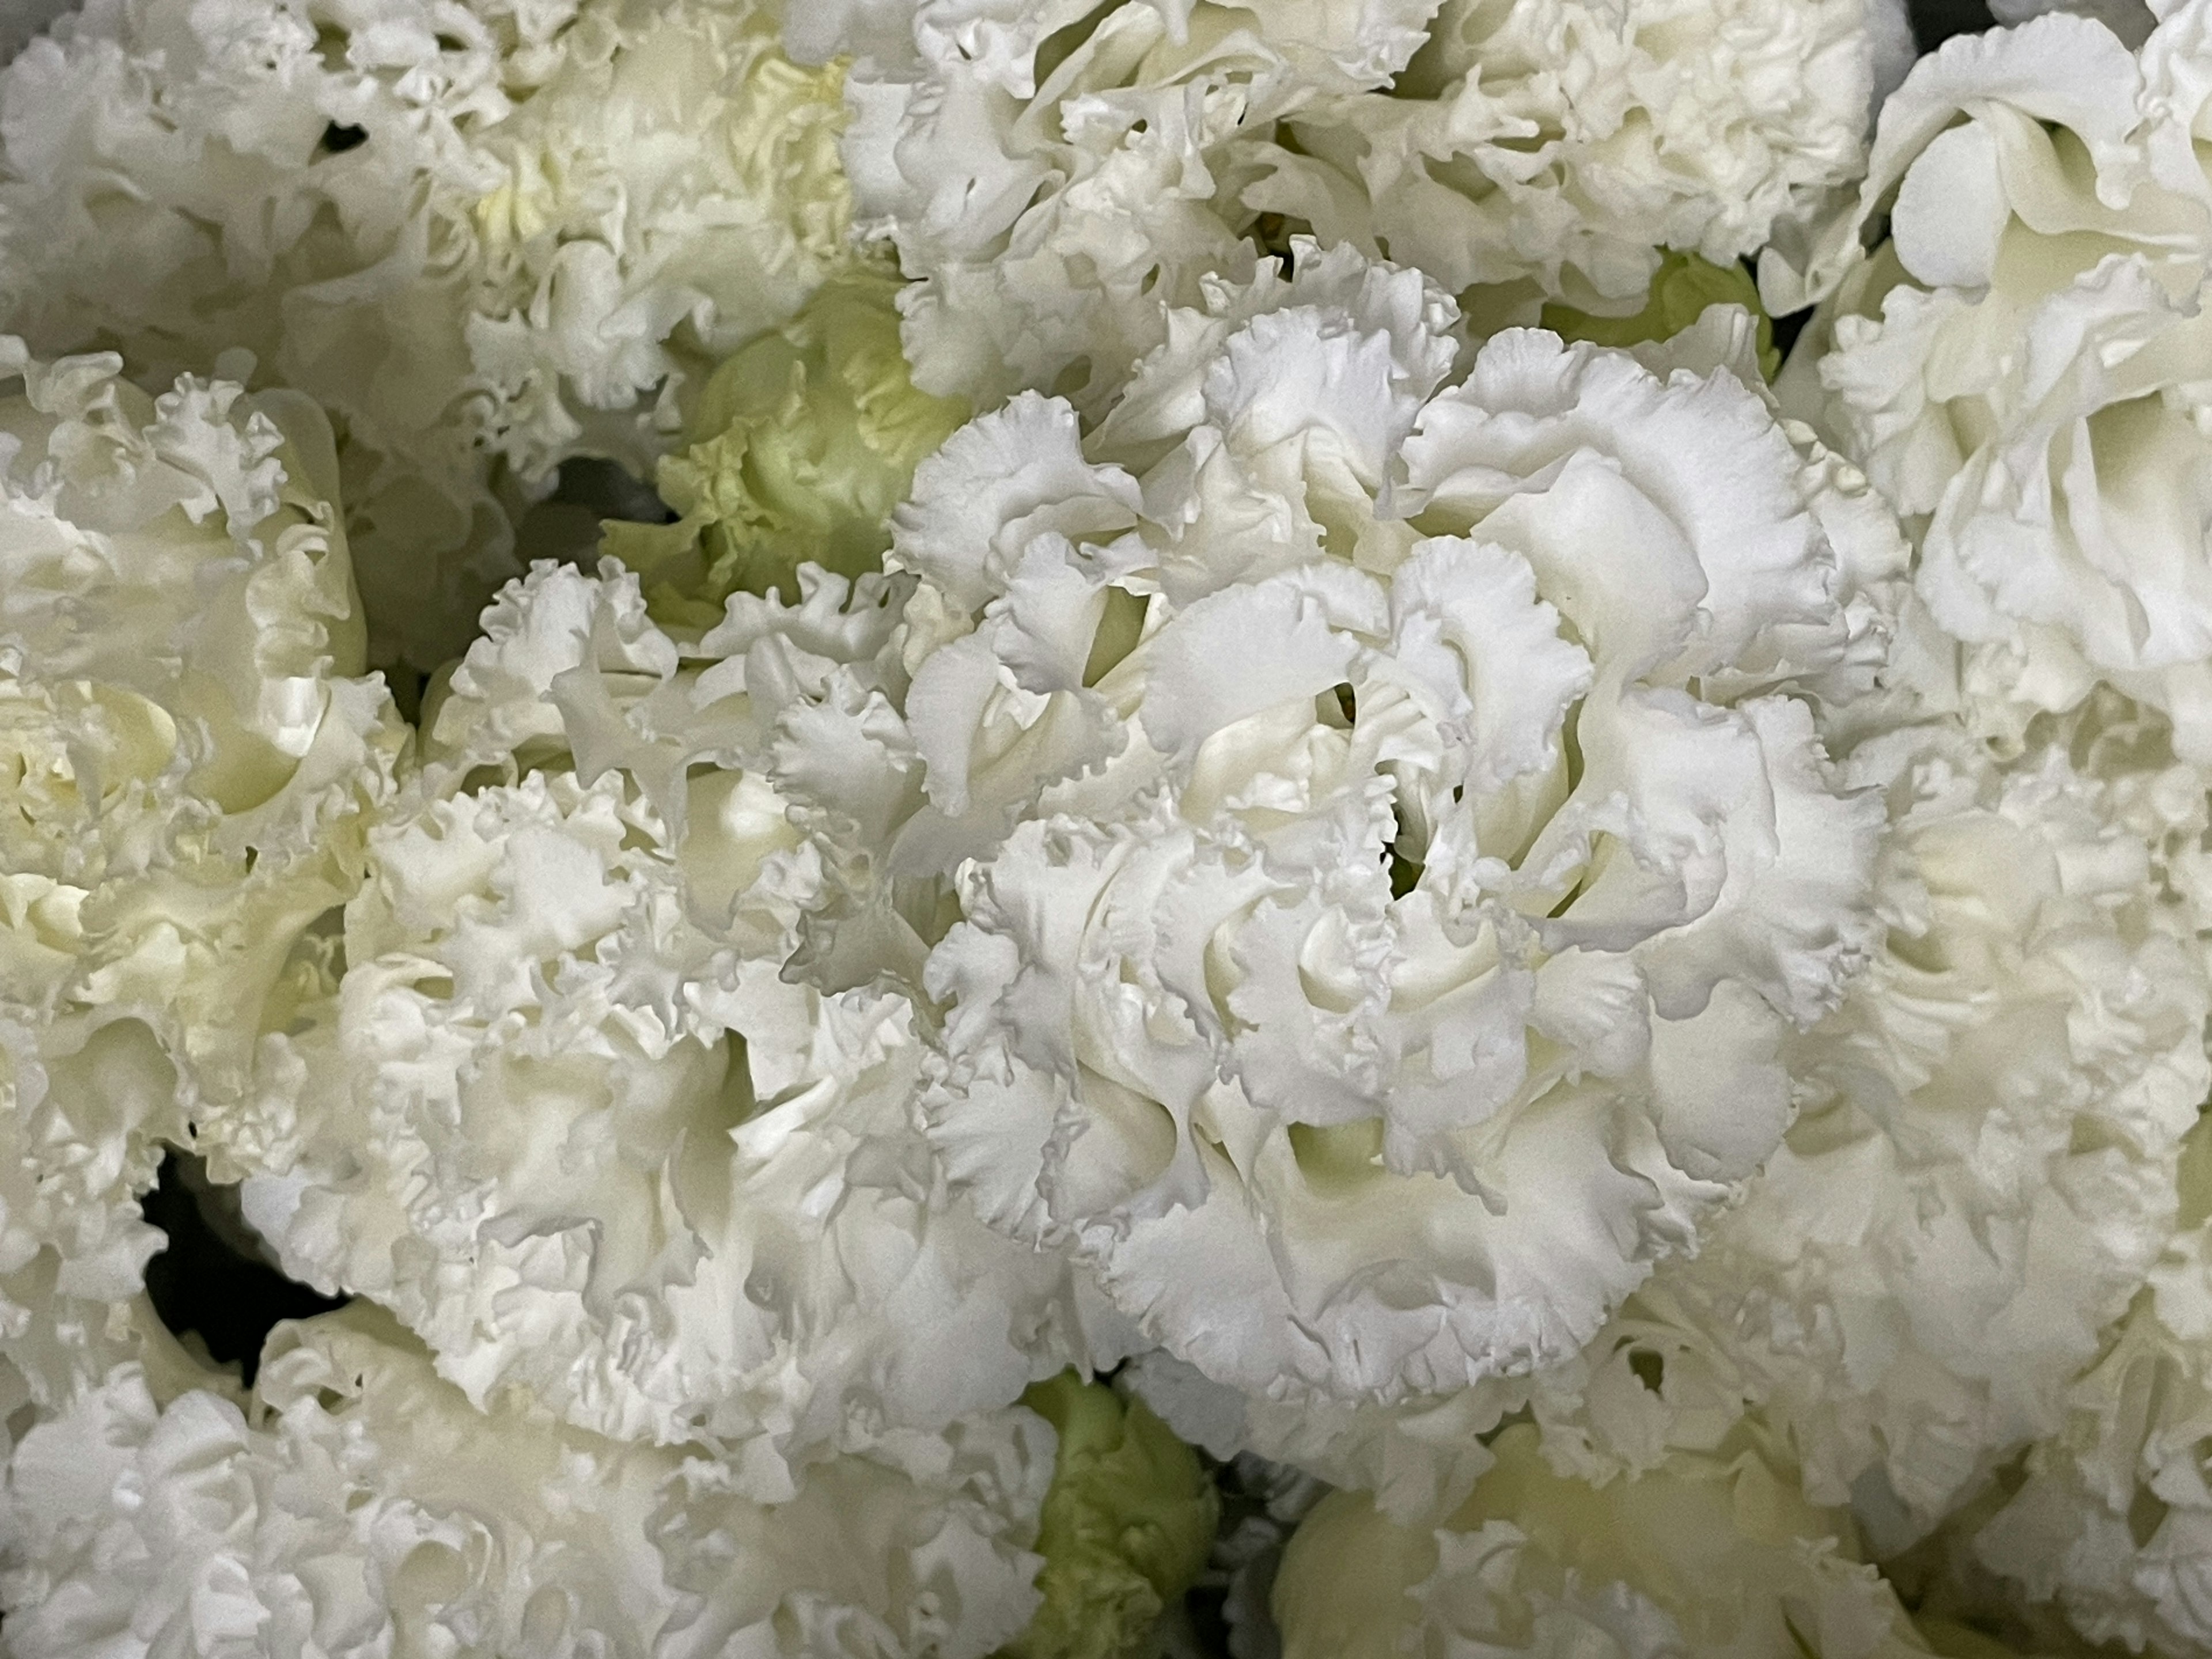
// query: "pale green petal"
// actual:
[[800, 446], [1126, 1524], [1681, 289]]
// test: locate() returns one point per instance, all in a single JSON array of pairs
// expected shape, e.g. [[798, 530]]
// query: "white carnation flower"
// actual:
[[669, 189], [563, 1115], [463, 228], [1923, 1280], [1059, 176], [358, 1505], [2022, 366], [1982, 1171], [1390, 837], [188, 752], [1548, 151], [1980, 1179]]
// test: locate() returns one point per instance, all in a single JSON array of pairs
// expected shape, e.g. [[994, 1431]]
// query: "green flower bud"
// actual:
[[1126, 1525]]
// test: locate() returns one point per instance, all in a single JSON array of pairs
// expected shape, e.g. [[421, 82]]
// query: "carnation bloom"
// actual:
[[464, 230], [1377, 929], [1715, 1555], [561, 1114], [1983, 1169], [356, 1504], [2023, 366], [668, 189], [187, 752], [1059, 177], [1979, 1179]]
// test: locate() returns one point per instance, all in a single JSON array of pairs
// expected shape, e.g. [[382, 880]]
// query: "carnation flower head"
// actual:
[[2020, 366], [562, 1115], [468, 231], [1376, 930], [1982, 1168], [1986, 1162], [357, 1504], [1060, 177], [668, 190], [189, 752]]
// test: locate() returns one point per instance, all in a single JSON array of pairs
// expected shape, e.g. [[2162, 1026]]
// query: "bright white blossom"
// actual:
[[668, 189], [1980, 1178], [1378, 929], [563, 1115], [1059, 176], [2023, 366], [1983, 1169], [465, 229], [357, 1505], [187, 750]]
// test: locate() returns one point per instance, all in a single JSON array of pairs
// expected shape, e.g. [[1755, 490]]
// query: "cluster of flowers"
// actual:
[[1278, 907]]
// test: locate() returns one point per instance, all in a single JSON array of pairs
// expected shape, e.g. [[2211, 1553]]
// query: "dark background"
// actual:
[[1936, 21]]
